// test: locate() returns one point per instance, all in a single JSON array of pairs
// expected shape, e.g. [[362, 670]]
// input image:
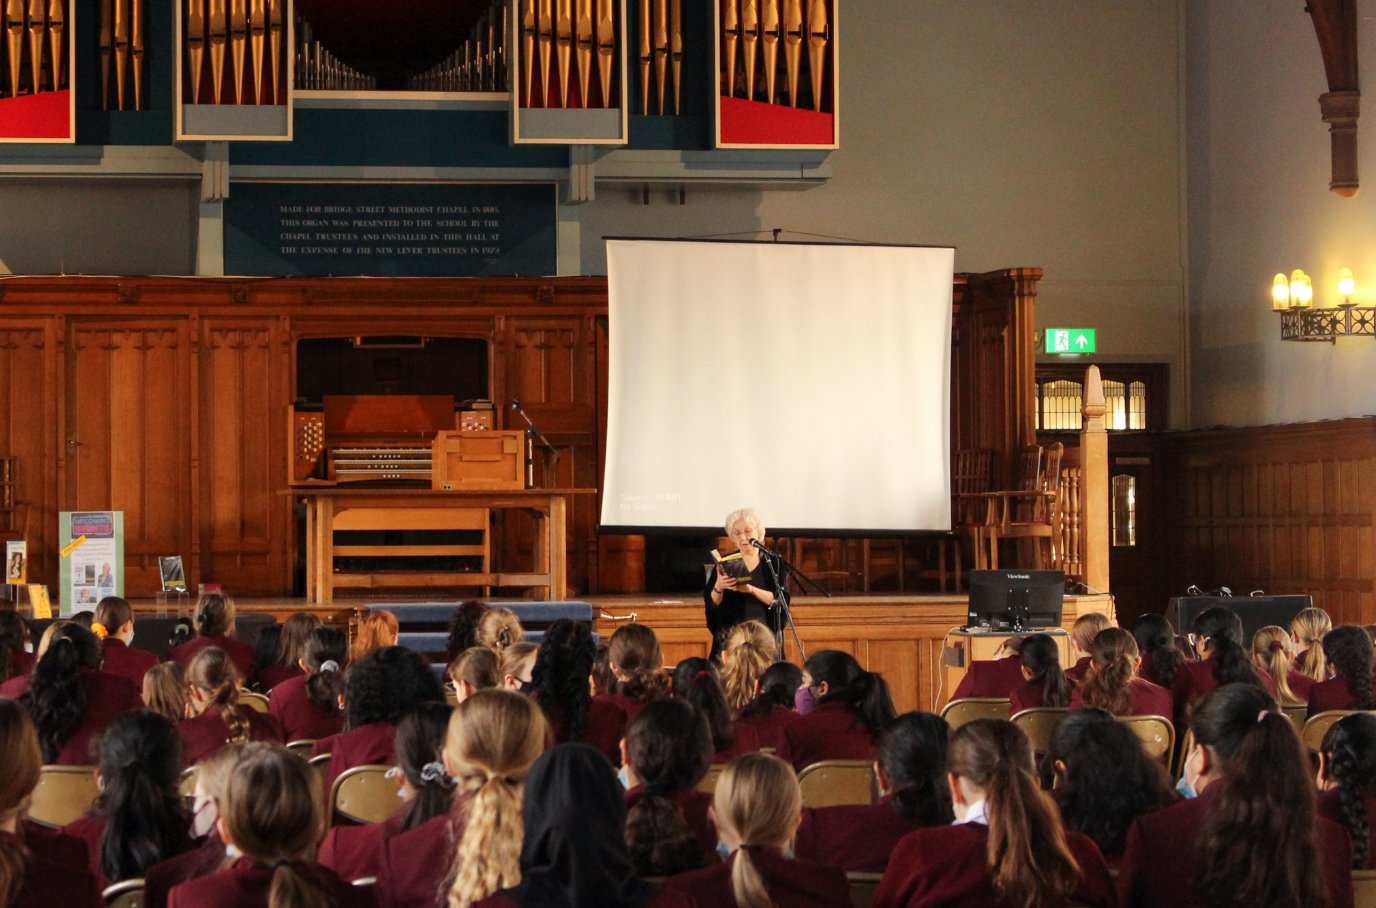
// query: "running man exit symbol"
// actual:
[[1069, 340]]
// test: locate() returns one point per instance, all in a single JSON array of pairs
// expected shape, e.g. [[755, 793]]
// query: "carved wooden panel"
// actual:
[[29, 414]]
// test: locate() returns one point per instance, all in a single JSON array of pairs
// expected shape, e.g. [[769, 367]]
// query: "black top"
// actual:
[[736, 606]]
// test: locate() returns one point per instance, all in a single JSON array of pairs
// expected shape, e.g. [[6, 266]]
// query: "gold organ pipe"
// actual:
[[817, 47], [546, 36], [661, 41], [36, 43], [769, 38], [136, 49], [584, 35], [606, 48], [793, 46], [14, 39], [195, 45], [528, 49], [57, 15], [646, 55], [258, 37], [276, 23], [676, 50], [750, 37], [121, 50], [238, 36], [564, 44], [731, 31], [219, 36]]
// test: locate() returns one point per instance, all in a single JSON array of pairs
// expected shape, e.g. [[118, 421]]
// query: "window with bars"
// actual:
[[1128, 397]]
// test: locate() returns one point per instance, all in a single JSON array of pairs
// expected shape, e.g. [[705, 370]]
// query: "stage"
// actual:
[[900, 636]]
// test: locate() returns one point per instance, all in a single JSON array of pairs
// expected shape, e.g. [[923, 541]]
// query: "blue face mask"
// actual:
[[1185, 786], [804, 700], [723, 850], [623, 775]]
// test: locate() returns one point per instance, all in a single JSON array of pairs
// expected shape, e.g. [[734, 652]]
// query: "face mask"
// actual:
[[1185, 786], [527, 687], [623, 775], [233, 853], [804, 700], [723, 850]]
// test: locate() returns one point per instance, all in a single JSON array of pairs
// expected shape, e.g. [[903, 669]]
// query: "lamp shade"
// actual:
[[1298, 299], [1280, 293], [1346, 287]]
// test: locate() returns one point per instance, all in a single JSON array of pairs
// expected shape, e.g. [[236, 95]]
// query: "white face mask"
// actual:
[[623, 775]]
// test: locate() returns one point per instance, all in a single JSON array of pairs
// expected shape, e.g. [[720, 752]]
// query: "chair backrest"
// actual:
[[1030, 469], [1317, 726], [1183, 754], [1050, 479], [1297, 716], [63, 795], [1038, 723], [302, 748], [862, 887], [709, 781], [126, 894], [1364, 888], [972, 471], [254, 700], [187, 785], [364, 794], [1156, 733], [833, 782], [958, 712]]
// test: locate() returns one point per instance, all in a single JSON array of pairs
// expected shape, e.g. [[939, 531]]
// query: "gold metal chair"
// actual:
[[63, 795], [254, 701], [1364, 888], [1297, 715], [320, 767], [1038, 723], [126, 894], [833, 782], [1156, 733], [709, 781], [364, 794], [958, 712], [1317, 726], [862, 887], [302, 748], [187, 785]]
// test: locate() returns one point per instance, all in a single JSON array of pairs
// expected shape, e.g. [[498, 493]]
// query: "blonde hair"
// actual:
[[48, 633], [23, 764], [1309, 628], [759, 802], [498, 629], [752, 519], [164, 690], [477, 666], [514, 658], [1112, 669], [750, 650], [213, 673], [374, 632], [212, 773], [494, 737], [1087, 627], [1277, 651]]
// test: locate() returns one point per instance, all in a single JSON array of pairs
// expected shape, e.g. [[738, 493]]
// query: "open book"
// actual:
[[733, 565]]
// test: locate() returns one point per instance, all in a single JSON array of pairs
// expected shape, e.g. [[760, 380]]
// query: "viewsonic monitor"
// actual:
[[1016, 601]]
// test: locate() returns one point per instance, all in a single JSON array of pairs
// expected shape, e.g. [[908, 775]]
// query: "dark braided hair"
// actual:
[[56, 697], [1349, 753], [463, 627], [560, 677], [1349, 651]]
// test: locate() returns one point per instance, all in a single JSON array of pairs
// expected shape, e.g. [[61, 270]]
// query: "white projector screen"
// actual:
[[809, 381]]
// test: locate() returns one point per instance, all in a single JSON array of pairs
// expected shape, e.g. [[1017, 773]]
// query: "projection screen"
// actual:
[[809, 381]]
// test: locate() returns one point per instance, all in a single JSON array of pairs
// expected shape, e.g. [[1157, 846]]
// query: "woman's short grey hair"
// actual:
[[752, 519]]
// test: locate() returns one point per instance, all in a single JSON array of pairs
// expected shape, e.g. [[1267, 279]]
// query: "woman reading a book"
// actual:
[[741, 588]]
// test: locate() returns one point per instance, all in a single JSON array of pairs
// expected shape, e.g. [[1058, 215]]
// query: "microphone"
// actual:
[[761, 546], [515, 404]]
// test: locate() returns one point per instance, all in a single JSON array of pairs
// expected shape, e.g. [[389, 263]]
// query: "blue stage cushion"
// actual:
[[525, 610], [436, 643]]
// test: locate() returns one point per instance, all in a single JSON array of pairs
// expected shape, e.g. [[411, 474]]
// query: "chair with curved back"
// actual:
[[187, 783], [1038, 723], [1297, 714], [968, 709], [1156, 733], [125, 894], [830, 783], [1318, 725], [709, 781], [1364, 888], [302, 748], [862, 887], [63, 795], [364, 794], [255, 701]]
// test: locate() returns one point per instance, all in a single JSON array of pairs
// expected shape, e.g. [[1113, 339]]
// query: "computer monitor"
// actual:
[[1016, 601]]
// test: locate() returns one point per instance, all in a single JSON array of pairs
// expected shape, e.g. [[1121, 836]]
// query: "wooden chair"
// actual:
[[63, 795], [709, 781], [254, 700], [1297, 716], [862, 887], [1317, 726], [830, 783], [1031, 511], [1038, 723], [968, 709], [126, 894], [971, 477], [302, 748], [1156, 733], [364, 794], [1364, 888]]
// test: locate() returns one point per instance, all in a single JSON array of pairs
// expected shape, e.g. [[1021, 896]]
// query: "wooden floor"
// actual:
[[902, 637]]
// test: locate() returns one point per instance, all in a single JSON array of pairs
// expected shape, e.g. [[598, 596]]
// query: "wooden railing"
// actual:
[[1082, 522]]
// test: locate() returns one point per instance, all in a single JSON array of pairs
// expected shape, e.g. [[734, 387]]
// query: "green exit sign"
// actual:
[[1069, 340]]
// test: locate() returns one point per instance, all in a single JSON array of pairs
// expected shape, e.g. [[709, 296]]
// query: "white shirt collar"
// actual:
[[975, 814]]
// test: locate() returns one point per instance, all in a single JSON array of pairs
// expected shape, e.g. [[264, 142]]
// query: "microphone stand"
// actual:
[[782, 612], [534, 434]]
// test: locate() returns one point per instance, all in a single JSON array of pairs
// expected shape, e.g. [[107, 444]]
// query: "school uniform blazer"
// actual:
[[91, 829], [125, 661], [352, 851], [693, 804], [300, 718], [50, 882], [412, 865], [1195, 679], [858, 838], [948, 866], [1331, 808], [1077, 672], [769, 727], [990, 678], [1335, 693], [205, 734], [21, 663], [15, 687], [606, 727], [790, 883], [162, 877], [245, 884], [1162, 859], [832, 731], [274, 675], [55, 844], [666, 897], [1027, 695], [241, 654], [747, 742], [371, 744], [1147, 699], [107, 698], [629, 705], [1300, 685]]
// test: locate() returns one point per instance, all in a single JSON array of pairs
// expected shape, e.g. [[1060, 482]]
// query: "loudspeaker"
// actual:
[[1256, 612]]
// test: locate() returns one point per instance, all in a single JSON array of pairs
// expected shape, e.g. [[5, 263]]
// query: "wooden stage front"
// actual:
[[899, 636]]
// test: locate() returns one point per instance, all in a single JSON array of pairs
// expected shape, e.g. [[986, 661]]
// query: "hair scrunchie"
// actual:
[[329, 665], [1276, 645], [434, 771], [701, 675], [99, 630]]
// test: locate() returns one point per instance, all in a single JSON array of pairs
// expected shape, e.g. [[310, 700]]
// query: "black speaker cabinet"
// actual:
[[1256, 612]]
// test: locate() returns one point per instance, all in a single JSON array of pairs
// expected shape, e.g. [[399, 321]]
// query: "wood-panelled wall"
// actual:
[[1285, 509]]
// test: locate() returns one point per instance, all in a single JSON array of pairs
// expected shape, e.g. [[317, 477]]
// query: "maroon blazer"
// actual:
[[1147, 699], [1195, 679], [161, 877], [301, 719], [769, 727], [791, 883], [15, 687], [1331, 808], [990, 678], [21, 663], [241, 654], [832, 731], [107, 698], [1161, 860], [606, 727], [91, 829], [244, 884], [1335, 693], [747, 742], [205, 734], [1076, 673], [666, 897], [352, 851], [858, 838], [55, 844], [694, 805], [275, 674], [1027, 695], [372, 744], [1300, 685], [411, 865], [947, 866], [49, 882], [629, 705], [123, 660]]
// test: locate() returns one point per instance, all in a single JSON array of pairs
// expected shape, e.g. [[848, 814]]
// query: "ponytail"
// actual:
[[213, 673], [1349, 652], [14, 861], [561, 676], [1041, 656], [1156, 638], [271, 812], [1272, 645], [56, 697], [294, 886], [1310, 626], [695, 680], [326, 653], [747, 884], [140, 762], [1112, 671], [489, 854], [867, 693], [23, 766], [1222, 629], [1349, 750], [750, 649], [758, 801], [420, 745], [635, 651]]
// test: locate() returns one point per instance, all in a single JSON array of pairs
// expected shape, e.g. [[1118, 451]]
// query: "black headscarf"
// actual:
[[574, 854]]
